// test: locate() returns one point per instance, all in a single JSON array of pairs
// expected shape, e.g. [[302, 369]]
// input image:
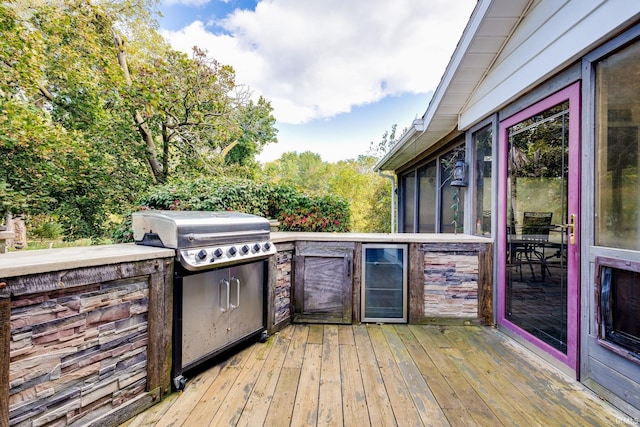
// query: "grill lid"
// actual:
[[205, 240], [188, 229]]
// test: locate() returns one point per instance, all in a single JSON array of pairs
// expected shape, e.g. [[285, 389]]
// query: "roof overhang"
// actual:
[[488, 29]]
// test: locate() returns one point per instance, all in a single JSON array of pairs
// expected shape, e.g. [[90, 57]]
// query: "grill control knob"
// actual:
[[218, 253], [202, 255], [256, 247], [232, 250], [245, 249], [267, 246]]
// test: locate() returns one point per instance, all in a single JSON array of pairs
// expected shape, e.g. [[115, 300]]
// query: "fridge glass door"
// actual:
[[384, 287]]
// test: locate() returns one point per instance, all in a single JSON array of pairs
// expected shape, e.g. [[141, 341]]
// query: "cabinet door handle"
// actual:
[[348, 267], [223, 285], [236, 282]]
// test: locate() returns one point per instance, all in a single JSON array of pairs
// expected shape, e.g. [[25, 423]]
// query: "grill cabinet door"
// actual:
[[246, 300], [204, 314]]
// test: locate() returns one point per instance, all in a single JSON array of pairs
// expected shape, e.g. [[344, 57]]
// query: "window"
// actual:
[[482, 143], [617, 120], [451, 203], [408, 202], [428, 177], [434, 205]]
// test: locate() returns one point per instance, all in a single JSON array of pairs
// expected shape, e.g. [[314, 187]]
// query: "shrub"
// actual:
[[295, 211], [44, 227]]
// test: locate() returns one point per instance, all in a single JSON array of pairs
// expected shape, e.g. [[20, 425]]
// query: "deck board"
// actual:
[[354, 402], [499, 395], [257, 406], [281, 408], [330, 400], [508, 381], [382, 375], [211, 400], [305, 408], [378, 401], [425, 402], [240, 391], [404, 408]]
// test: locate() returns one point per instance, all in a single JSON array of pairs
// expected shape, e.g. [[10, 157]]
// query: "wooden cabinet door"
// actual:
[[323, 284]]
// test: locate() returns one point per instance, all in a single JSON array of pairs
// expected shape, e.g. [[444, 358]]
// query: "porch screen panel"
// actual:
[[428, 179], [451, 201], [408, 202], [482, 142], [617, 219]]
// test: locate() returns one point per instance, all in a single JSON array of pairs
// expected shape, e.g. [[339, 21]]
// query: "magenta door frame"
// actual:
[[572, 94]]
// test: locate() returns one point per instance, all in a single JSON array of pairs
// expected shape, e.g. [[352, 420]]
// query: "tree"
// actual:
[[95, 107], [62, 150], [353, 180], [381, 148], [356, 181], [305, 171], [186, 116]]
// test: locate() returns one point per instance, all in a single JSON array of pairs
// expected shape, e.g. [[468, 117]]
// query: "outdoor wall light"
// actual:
[[459, 174]]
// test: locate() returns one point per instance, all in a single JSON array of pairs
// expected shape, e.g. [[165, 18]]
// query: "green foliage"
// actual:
[[354, 180], [95, 107], [316, 214], [193, 117], [305, 171], [389, 138], [295, 211], [379, 213], [45, 229], [257, 124]]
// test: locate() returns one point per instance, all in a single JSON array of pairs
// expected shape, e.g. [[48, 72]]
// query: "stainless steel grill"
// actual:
[[205, 240], [219, 297]]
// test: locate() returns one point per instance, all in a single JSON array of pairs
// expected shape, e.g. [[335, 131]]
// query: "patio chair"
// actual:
[[486, 222], [535, 235]]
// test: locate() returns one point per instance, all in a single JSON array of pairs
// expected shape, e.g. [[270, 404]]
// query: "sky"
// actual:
[[338, 73]]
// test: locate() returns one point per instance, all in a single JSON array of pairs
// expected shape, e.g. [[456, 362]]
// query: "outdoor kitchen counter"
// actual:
[[281, 237], [23, 263], [318, 277]]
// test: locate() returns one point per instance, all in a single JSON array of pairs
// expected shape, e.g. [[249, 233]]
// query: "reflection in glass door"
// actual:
[[540, 191]]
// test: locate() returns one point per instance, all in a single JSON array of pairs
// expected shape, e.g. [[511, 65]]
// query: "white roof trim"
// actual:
[[445, 106]]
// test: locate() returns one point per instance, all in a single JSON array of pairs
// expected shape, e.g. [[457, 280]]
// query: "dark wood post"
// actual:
[[416, 283], [5, 340], [485, 284]]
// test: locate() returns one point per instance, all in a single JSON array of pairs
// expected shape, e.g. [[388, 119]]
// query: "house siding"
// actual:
[[551, 36]]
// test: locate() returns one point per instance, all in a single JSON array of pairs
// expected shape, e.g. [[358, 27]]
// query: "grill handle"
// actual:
[[223, 284], [221, 236], [235, 281]]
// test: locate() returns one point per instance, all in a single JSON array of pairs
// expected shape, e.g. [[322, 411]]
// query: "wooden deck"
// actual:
[[382, 375]]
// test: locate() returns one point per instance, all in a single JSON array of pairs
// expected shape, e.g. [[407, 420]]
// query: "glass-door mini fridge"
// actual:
[[384, 283]]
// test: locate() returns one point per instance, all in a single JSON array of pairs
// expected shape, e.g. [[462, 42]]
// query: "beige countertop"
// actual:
[[21, 263], [281, 237]]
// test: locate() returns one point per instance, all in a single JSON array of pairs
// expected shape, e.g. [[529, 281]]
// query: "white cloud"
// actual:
[[317, 59]]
